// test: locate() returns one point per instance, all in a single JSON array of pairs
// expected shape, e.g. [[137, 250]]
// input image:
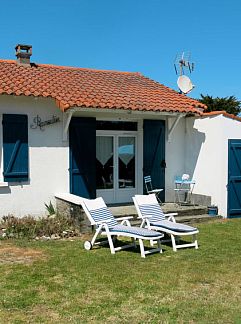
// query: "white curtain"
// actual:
[[104, 148]]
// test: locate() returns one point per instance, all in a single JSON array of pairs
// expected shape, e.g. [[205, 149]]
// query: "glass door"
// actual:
[[116, 167]]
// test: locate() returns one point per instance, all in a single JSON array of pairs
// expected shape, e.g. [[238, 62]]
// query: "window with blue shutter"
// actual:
[[15, 147]]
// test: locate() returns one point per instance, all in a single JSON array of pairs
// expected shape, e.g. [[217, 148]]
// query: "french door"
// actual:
[[116, 166]]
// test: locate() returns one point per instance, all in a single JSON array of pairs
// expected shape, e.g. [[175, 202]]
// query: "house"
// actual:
[[92, 133], [213, 157]]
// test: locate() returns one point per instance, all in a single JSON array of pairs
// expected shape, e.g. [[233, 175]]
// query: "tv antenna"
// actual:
[[182, 64]]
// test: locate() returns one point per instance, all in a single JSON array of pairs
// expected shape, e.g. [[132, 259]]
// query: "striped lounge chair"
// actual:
[[101, 217], [153, 218]]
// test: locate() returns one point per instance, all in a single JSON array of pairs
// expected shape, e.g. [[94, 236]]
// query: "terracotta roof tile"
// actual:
[[78, 87], [221, 112]]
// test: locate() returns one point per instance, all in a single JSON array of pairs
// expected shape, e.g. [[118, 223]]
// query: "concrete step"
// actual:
[[194, 219], [186, 214], [183, 210], [189, 220]]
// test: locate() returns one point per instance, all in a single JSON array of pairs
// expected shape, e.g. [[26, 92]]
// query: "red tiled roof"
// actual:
[[221, 112], [78, 87]]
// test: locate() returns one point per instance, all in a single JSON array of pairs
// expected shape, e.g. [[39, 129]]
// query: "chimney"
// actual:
[[23, 53]]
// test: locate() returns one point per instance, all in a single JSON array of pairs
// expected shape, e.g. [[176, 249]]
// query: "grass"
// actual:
[[60, 282]]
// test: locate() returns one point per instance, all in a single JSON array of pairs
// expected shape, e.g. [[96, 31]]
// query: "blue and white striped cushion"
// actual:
[[176, 227], [102, 214], [137, 231], [153, 210]]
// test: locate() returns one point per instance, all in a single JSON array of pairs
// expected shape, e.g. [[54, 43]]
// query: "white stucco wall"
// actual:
[[48, 159], [175, 156], [207, 155]]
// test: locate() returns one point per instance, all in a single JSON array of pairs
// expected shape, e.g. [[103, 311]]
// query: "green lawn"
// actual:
[[60, 282]]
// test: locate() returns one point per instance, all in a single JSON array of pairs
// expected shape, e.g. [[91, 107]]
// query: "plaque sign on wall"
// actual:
[[37, 122]]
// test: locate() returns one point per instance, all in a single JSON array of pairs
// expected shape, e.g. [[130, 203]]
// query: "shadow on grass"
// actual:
[[166, 244], [103, 243]]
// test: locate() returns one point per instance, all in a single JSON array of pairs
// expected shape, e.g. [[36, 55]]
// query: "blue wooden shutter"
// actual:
[[15, 148], [234, 178], [82, 144], [154, 153]]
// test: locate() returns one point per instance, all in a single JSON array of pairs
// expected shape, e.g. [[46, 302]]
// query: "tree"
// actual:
[[230, 104]]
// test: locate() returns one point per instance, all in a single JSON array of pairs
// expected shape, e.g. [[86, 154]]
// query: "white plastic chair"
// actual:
[[153, 218], [150, 190], [101, 217]]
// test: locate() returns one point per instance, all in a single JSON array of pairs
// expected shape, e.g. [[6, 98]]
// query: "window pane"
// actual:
[[116, 125], [126, 161], [104, 162]]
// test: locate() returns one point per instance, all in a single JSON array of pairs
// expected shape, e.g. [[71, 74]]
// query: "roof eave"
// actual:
[[131, 111]]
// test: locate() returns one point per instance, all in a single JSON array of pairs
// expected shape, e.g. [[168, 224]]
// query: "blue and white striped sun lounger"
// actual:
[[153, 218], [101, 217]]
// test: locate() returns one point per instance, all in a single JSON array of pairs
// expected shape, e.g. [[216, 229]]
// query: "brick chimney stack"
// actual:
[[23, 53]]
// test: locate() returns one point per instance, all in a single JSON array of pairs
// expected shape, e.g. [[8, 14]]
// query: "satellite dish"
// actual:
[[184, 84]]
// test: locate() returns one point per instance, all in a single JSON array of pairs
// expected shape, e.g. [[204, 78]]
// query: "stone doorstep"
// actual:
[[197, 218], [120, 211], [189, 220], [186, 214]]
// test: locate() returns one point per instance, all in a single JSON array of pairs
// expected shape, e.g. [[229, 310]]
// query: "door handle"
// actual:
[[163, 164]]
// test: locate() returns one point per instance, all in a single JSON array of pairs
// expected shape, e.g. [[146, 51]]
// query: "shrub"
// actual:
[[50, 208], [30, 227]]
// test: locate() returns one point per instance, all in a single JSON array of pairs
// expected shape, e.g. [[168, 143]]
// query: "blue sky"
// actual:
[[132, 35]]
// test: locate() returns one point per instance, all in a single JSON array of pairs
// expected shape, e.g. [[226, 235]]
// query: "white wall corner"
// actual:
[[172, 123], [66, 121]]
